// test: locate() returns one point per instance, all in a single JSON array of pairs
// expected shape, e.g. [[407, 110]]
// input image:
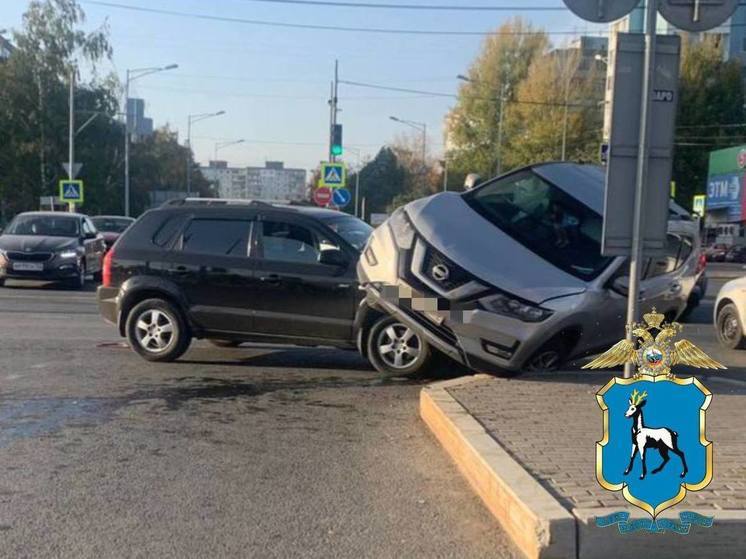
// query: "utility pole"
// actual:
[[71, 134], [333, 101]]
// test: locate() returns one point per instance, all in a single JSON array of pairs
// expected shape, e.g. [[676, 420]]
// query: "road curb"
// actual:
[[539, 525]]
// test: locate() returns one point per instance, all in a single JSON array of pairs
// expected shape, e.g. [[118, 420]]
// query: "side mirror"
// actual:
[[472, 180], [621, 285], [332, 257]]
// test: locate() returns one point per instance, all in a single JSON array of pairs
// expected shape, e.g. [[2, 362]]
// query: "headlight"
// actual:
[[515, 308], [401, 229], [68, 254]]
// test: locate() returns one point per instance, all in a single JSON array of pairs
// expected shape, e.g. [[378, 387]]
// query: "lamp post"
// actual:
[[357, 179], [221, 145], [422, 127], [132, 75], [191, 119], [501, 105]]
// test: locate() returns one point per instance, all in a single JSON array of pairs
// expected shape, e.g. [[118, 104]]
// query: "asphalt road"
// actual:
[[254, 452]]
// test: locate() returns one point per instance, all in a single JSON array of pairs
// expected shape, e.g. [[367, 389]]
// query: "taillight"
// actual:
[[106, 272]]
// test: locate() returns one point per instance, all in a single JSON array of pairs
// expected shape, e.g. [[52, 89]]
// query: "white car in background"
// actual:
[[730, 313]]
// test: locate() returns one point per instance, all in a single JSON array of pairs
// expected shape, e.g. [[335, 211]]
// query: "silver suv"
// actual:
[[509, 276]]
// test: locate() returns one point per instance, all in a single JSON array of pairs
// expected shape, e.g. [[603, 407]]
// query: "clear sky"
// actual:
[[274, 82]]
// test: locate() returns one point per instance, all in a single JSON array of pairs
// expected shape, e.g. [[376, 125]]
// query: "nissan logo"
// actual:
[[440, 273]]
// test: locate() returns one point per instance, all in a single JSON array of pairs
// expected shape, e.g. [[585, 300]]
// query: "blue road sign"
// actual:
[[333, 175], [341, 197], [71, 191]]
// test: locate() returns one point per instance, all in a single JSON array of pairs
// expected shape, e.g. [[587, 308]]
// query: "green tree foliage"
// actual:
[[711, 93], [381, 180], [472, 125], [559, 97], [34, 85]]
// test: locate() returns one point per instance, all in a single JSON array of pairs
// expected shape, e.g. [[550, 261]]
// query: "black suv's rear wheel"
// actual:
[[394, 349], [156, 330]]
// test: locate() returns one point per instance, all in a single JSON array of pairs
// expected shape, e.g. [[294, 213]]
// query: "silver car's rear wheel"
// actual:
[[395, 349]]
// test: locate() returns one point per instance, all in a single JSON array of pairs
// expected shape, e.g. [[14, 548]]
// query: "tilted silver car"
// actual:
[[509, 276]]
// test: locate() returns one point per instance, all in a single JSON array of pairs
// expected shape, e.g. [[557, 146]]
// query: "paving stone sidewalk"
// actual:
[[550, 425]]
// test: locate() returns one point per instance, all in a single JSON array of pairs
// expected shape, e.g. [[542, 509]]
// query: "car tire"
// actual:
[[79, 281], [225, 343], [548, 358], [157, 331], [729, 328], [395, 349]]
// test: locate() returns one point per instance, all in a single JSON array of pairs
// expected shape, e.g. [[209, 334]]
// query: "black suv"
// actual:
[[234, 271]]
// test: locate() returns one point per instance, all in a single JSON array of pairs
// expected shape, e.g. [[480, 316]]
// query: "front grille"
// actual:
[[30, 256], [457, 276]]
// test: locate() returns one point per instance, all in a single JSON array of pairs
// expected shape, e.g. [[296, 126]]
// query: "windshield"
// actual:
[[545, 220], [351, 229], [43, 226], [112, 224]]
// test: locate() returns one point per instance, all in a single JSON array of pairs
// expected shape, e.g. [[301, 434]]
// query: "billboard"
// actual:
[[725, 183]]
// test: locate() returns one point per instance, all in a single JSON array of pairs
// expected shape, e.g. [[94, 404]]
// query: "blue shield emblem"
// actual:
[[654, 447]]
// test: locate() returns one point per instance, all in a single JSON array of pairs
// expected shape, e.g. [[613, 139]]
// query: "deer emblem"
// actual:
[[644, 438]]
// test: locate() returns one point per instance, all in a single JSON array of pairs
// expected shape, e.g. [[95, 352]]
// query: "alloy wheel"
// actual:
[[399, 346], [154, 330]]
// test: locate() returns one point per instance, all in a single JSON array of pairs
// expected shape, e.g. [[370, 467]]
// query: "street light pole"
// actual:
[[71, 132], [132, 75], [221, 145], [191, 119], [422, 127]]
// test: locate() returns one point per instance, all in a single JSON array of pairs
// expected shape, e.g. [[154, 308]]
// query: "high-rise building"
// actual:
[[272, 183], [139, 125]]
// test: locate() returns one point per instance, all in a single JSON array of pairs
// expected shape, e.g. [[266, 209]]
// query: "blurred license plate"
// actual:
[[28, 266]]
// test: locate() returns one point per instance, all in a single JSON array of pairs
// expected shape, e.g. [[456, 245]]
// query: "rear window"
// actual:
[[168, 230], [219, 237]]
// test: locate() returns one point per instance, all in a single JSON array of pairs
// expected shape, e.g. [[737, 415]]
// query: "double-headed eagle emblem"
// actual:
[[656, 355]]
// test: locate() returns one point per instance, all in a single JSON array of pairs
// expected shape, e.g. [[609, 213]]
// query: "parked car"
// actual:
[[509, 276], [730, 313], [716, 252], [111, 227], [51, 246], [233, 271], [735, 254]]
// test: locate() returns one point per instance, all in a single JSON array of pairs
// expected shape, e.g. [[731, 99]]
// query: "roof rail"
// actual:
[[216, 202]]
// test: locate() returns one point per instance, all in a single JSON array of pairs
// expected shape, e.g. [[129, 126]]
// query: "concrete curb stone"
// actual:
[[540, 526]]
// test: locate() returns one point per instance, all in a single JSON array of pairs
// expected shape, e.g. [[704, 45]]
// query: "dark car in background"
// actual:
[[233, 271], [111, 227], [735, 254], [53, 246]]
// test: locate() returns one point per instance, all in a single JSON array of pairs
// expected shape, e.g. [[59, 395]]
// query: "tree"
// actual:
[[711, 94], [380, 181], [556, 103], [472, 125]]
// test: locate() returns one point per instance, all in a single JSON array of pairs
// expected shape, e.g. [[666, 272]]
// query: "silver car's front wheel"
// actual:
[[396, 349]]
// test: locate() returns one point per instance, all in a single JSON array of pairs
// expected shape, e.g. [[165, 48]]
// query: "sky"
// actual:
[[273, 83]]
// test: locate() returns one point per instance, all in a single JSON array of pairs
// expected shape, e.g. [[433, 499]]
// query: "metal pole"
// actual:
[[332, 112], [642, 169], [189, 156], [335, 91], [127, 145], [71, 132], [357, 186], [564, 121], [500, 131]]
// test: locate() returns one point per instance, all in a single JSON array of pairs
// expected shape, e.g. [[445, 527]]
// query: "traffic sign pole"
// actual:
[[71, 134], [635, 261]]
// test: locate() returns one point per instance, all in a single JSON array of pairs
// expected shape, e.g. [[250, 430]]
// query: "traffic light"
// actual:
[[337, 140]]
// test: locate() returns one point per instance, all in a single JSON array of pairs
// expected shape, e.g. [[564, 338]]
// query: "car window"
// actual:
[[44, 226], [168, 229], [220, 237], [668, 262], [88, 227], [290, 242]]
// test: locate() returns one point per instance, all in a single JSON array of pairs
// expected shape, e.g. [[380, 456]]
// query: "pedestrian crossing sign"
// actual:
[[71, 191], [333, 175]]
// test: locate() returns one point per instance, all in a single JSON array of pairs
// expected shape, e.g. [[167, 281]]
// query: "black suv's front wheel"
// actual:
[[394, 349], [156, 330]]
